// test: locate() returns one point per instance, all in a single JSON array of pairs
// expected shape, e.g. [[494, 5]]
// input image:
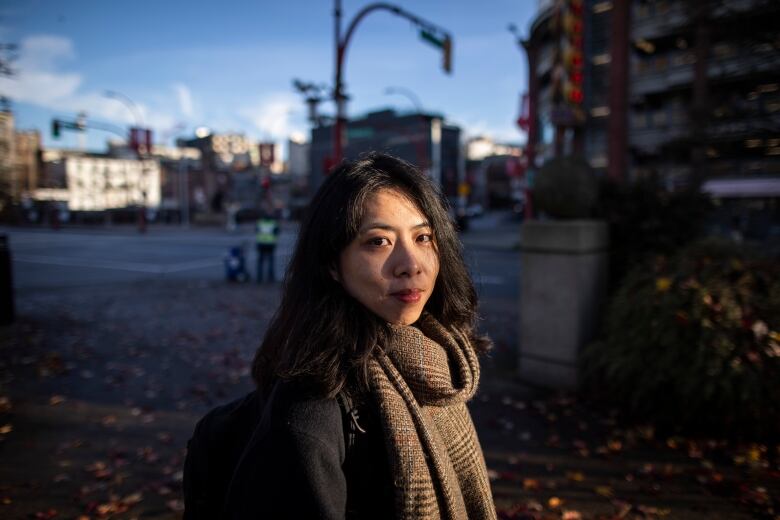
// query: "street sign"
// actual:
[[431, 38]]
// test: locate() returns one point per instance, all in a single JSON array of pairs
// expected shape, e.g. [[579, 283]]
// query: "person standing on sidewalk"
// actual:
[[364, 372], [266, 235]]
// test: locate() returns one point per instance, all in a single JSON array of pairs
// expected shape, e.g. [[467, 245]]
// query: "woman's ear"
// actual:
[[334, 274]]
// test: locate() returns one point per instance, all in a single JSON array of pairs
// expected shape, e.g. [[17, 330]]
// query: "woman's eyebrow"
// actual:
[[388, 227]]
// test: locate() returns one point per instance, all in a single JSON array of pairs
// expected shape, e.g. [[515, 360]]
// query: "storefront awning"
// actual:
[[742, 188]]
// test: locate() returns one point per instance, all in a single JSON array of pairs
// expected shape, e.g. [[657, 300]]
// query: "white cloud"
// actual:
[[45, 51], [273, 116], [36, 81], [184, 95], [41, 80]]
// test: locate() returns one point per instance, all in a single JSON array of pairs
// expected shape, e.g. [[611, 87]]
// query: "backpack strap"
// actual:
[[350, 416]]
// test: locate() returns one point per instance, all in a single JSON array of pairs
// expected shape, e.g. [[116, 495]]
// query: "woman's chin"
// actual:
[[404, 318]]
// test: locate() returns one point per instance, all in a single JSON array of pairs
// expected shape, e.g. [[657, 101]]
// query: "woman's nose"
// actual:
[[406, 262]]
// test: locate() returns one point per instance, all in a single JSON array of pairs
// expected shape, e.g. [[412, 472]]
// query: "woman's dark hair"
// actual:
[[322, 334]]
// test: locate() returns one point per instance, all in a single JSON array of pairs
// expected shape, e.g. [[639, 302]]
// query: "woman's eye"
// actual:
[[378, 241], [425, 238]]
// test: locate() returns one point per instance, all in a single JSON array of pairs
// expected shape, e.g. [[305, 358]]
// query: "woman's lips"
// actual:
[[408, 295]]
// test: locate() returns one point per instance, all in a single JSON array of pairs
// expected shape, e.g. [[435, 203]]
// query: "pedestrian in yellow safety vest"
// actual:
[[267, 231]]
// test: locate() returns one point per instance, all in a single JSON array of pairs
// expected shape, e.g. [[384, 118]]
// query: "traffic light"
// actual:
[[447, 55], [443, 42], [55, 129]]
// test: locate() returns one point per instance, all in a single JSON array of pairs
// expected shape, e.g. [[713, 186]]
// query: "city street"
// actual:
[[122, 341], [633, 317], [45, 258]]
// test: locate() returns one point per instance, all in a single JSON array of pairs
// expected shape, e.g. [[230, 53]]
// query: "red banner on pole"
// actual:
[[266, 153]]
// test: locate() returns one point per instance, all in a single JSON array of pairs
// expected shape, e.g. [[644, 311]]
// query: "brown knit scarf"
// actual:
[[422, 382]]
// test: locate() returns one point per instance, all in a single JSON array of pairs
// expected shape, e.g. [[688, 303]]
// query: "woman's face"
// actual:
[[392, 264]]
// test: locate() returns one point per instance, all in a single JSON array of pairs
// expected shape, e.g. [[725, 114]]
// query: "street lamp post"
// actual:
[[527, 119], [430, 32], [130, 104], [435, 134], [184, 191], [411, 96]]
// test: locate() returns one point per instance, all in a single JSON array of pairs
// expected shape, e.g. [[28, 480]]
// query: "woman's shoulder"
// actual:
[[295, 410]]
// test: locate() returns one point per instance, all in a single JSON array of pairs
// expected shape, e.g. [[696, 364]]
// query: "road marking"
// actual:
[[118, 266], [190, 265], [49, 238]]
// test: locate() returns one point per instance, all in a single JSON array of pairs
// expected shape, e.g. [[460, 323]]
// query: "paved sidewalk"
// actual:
[[100, 388]]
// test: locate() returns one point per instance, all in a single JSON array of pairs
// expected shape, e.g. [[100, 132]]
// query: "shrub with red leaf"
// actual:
[[692, 343]]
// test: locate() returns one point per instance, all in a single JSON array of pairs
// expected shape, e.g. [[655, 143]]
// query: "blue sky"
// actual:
[[229, 65]]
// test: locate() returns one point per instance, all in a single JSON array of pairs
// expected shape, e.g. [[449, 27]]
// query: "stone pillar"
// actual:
[[562, 291]]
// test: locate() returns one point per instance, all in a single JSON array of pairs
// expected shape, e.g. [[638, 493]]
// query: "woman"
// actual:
[[367, 365]]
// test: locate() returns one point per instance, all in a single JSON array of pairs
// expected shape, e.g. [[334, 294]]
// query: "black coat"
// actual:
[[294, 463]]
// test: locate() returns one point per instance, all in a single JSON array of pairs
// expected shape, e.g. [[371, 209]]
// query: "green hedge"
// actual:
[[646, 220], [566, 188], [692, 343]]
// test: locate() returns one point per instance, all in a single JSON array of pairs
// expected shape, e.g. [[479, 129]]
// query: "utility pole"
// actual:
[[428, 160], [527, 120], [428, 31], [137, 131]]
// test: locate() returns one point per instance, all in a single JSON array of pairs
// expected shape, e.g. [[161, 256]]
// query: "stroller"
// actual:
[[235, 265]]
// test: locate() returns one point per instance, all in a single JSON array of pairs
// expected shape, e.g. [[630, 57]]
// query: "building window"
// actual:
[[639, 120], [679, 59], [660, 118], [723, 51], [678, 115], [599, 161], [661, 63]]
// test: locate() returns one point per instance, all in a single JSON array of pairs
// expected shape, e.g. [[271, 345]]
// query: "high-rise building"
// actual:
[[298, 158], [7, 143], [422, 139], [27, 160], [680, 89], [223, 152], [97, 182]]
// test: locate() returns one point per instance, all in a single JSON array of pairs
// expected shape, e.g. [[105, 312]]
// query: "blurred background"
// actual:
[[613, 167]]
